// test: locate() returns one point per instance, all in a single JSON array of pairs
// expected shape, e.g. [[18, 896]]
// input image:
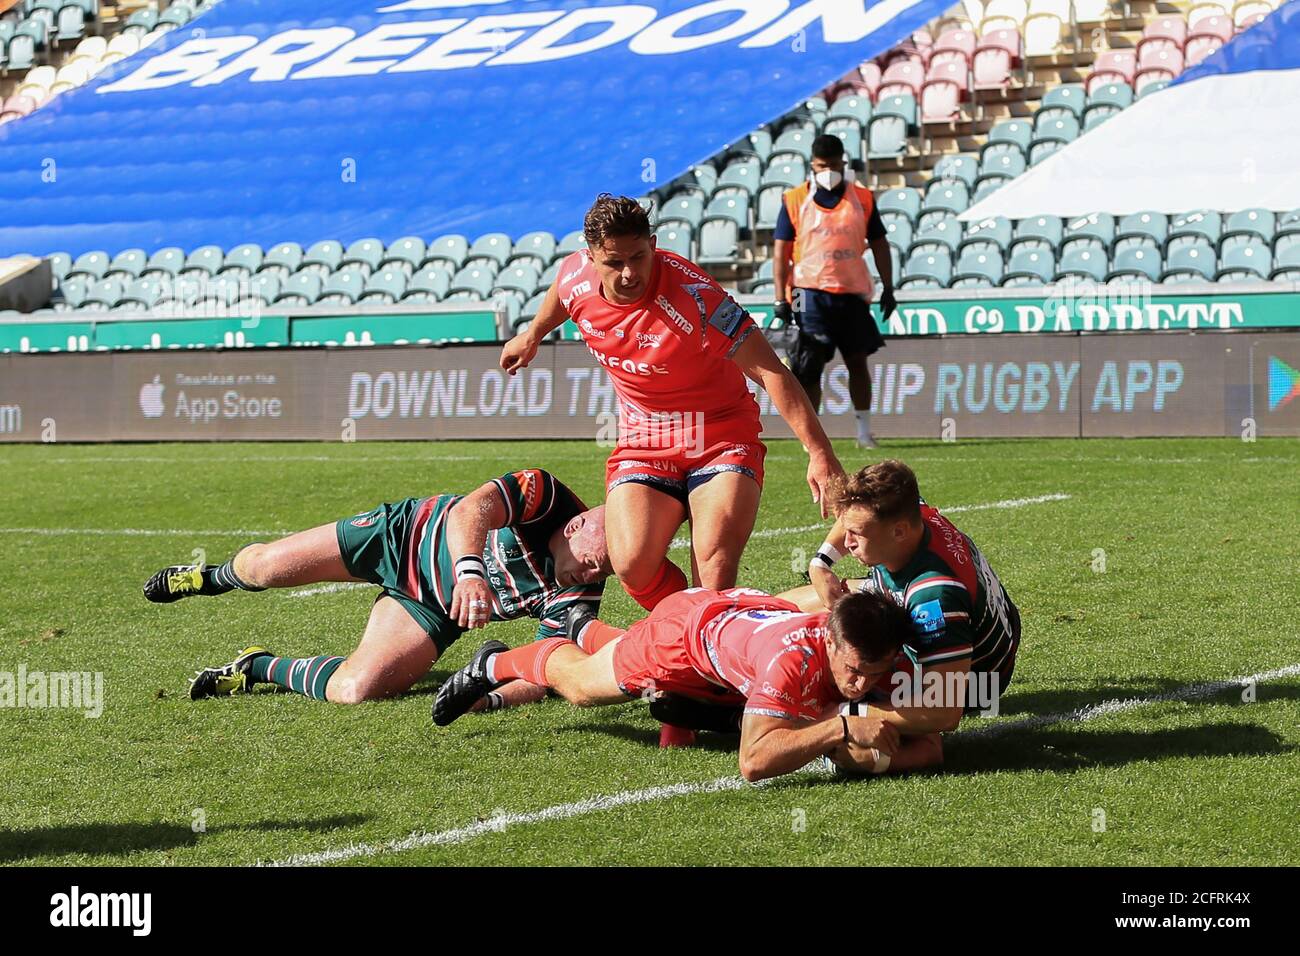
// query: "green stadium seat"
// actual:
[[917, 282], [142, 294], [93, 265], [494, 245], [74, 289], [203, 261], [962, 168], [60, 264], [1202, 224], [1096, 225], [851, 106], [743, 174], [904, 199], [850, 134], [979, 264], [1136, 263], [323, 257], [787, 174], [428, 285], [1001, 159], [474, 280], [265, 286], [242, 261], [521, 278], [1155, 86], [532, 307], [1048, 228], [674, 237], [1038, 263], [1251, 222], [719, 241], [103, 295], [283, 259], [405, 254], [1250, 261], [972, 282], [936, 265], [383, 287], [768, 207], [728, 207], [899, 228], [1097, 115], [988, 235], [70, 24], [757, 144], [451, 248], [366, 253], [539, 244], [1017, 132], [945, 233], [795, 141], [301, 288], [1196, 260], [128, 264], [987, 185], [887, 136], [512, 301], [1152, 225], [1118, 95], [1068, 97], [572, 242], [1082, 263], [947, 195]]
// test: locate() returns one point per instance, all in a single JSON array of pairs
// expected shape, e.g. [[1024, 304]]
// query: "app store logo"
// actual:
[[151, 398]]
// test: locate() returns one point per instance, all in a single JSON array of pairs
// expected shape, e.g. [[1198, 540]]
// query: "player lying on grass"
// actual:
[[522, 545], [788, 670], [965, 624]]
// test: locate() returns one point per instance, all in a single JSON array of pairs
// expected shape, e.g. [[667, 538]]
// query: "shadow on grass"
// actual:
[[1093, 691], [649, 736], [99, 839], [1068, 749]]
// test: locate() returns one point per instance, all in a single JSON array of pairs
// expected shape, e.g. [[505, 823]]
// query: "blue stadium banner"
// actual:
[[297, 120]]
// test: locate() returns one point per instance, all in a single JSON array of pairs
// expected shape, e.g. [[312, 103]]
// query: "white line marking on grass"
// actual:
[[328, 589], [505, 821], [955, 509], [564, 811], [1118, 706], [151, 532]]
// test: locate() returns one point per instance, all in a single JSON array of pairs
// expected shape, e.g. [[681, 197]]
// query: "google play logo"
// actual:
[[1283, 383]]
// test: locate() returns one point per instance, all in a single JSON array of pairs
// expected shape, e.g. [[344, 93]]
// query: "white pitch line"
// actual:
[[564, 811], [150, 532], [956, 509], [328, 589]]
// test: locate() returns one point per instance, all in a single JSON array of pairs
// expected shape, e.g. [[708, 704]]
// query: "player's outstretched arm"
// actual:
[[760, 363], [772, 746], [925, 719], [914, 753], [522, 349], [468, 524]]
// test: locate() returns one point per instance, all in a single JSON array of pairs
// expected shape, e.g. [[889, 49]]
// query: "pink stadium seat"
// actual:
[[1169, 60], [1113, 66], [1198, 48], [870, 75], [1216, 26], [922, 39], [1149, 49], [902, 76], [961, 41], [941, 57], [1167, 28], [996, 53], [954, 72], [19, 105], [1249, 20], [939, 101]]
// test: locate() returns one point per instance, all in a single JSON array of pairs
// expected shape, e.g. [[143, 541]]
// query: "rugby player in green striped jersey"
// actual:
[[521, 545], [967, 630]]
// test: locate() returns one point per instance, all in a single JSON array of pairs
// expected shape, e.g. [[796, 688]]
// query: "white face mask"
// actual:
[[828, 178]]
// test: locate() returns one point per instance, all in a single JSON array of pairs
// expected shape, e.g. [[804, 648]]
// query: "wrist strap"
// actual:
[[826, 556], [471, 566]]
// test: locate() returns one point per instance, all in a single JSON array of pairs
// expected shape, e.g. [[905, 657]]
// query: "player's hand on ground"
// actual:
[[873, 731], [828, 587], [471, 603], [821, 469], [518, 353]]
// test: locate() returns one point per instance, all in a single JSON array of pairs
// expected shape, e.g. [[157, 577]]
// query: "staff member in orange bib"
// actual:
[[823, 230]]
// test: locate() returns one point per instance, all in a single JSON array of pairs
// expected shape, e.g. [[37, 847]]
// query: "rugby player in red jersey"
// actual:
[[678, 349], [789, 671]]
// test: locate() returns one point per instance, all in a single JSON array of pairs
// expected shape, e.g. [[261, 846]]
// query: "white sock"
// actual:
[[490, 669], [864, 423]]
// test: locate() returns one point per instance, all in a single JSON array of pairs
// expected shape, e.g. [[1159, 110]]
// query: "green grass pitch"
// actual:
[[1171, 563]]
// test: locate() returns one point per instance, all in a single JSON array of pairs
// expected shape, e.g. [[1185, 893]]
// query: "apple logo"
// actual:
[[151, 398]]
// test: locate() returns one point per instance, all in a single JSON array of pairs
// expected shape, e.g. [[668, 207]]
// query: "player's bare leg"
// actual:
[[308, 557], [723, 511], [640, 522], [394, 653], [585, 680]]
